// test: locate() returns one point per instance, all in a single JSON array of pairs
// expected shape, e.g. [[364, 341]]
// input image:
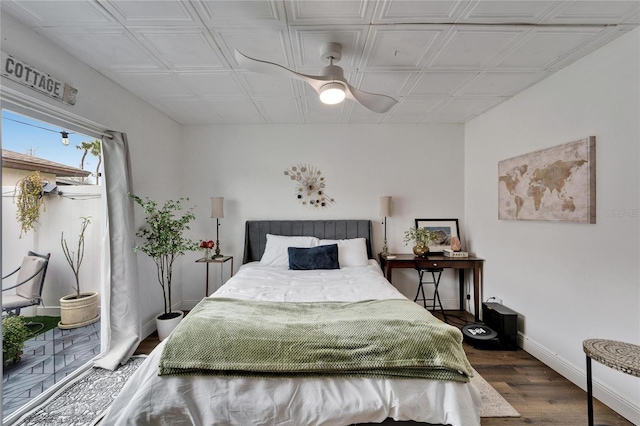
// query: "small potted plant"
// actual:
[[421, 237], [163, 241], [80, 308], [14, 334]]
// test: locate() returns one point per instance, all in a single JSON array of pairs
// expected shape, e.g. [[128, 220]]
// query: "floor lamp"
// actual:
[[385, 211], [217, 212]]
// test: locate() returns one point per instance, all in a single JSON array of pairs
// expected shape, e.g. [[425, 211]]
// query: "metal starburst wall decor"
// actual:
[[309, 186]]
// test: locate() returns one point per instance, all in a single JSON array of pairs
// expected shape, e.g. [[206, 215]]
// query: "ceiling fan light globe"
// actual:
[[332, 93]]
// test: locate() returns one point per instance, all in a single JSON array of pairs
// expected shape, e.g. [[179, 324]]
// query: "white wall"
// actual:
[[155, 142], [569, 282], [419, 166]]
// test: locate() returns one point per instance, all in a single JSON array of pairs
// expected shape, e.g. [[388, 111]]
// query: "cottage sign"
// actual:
[[23, 73]]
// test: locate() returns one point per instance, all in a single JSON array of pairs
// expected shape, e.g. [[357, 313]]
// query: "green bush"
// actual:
[[14, 334]]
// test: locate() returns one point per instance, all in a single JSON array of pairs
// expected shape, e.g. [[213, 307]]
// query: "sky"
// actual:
[[47, 144]]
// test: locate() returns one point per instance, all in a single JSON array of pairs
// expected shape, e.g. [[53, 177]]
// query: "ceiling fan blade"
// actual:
[[371, 101], [264, 67]]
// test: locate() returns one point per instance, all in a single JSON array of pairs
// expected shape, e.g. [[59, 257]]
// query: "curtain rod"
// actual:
[[18, 102]]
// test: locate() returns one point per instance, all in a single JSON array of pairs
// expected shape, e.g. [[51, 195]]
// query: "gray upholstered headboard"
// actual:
[[255, 237]]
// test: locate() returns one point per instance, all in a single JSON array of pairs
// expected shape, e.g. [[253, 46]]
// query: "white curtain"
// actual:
[[121, 328]]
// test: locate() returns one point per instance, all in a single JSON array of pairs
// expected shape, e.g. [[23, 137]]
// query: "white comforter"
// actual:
[[149, 399]]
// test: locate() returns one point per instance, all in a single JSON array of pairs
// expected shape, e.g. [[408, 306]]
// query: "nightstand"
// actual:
[[221, 260]]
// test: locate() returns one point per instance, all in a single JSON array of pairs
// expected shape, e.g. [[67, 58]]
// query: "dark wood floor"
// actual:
[[540, 395]]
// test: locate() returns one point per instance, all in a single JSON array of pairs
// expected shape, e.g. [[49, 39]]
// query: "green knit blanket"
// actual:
[[373, 338]]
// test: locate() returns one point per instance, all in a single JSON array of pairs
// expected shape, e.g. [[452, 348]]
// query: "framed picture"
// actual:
[[552, 184], [444, 229]]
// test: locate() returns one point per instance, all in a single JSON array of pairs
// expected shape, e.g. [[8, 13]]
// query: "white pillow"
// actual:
[[276, 253], [352, 252]]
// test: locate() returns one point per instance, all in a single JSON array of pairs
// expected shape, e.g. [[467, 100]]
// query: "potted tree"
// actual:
[[163, 241], [80, 308]]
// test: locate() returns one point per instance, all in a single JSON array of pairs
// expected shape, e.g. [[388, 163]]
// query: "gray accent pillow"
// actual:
[[321, 257]]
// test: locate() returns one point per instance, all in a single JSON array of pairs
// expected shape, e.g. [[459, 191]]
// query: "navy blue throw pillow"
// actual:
[[321, 257]]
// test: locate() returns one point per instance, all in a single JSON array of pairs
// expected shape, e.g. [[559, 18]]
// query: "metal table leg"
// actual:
[[589, 393]]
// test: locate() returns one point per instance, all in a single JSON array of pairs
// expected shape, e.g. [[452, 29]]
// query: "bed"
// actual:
[[187, 394]]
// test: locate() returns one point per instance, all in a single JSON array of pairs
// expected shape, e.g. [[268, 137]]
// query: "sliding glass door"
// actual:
[[52, 204]]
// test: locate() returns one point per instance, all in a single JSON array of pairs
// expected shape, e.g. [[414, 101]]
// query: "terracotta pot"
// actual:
[[79, 311], [166, 326]]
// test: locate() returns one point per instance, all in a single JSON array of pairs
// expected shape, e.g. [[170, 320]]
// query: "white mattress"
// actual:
[[208, 400]]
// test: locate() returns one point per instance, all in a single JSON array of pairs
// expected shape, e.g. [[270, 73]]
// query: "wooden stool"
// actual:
[[620, 356]]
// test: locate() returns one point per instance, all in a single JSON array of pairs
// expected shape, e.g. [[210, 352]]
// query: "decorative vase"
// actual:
[[207, 254], [420, 249]]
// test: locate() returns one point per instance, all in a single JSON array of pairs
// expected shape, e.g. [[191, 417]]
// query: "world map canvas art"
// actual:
[[554, 184]]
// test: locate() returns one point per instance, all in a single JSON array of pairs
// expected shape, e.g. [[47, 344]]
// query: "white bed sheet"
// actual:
[[212, 400]]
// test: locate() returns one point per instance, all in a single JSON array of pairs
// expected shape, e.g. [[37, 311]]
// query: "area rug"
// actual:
[[493, 404], [83, 401], [80, 402]]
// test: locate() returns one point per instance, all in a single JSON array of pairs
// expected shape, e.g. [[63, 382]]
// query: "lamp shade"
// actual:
[[385, 206], [217, 210]]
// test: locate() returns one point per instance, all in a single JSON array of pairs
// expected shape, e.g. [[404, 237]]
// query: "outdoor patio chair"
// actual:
[[28, 288]]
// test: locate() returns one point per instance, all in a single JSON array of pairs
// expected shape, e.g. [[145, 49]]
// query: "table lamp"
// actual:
[[217, 212], [385, 211]]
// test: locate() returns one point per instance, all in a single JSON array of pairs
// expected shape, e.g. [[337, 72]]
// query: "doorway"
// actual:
[[69, 165]]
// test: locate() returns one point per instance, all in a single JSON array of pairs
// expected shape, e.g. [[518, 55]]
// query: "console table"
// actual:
[[438, 261]]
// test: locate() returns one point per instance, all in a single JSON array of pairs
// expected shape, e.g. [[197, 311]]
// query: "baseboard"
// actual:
[[578, 376], [188, 305], [46, 311], [447, 304], [150, 326], [50, 311]]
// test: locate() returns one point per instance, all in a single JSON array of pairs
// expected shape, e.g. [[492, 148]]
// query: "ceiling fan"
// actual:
[[330, 84]]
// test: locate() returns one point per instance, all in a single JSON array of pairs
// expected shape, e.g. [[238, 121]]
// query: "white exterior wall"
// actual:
[[569, 282], [62, 214], [10, 177]]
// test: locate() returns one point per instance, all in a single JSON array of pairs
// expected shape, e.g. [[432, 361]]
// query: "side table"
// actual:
[[220, 260], [620, 356]]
